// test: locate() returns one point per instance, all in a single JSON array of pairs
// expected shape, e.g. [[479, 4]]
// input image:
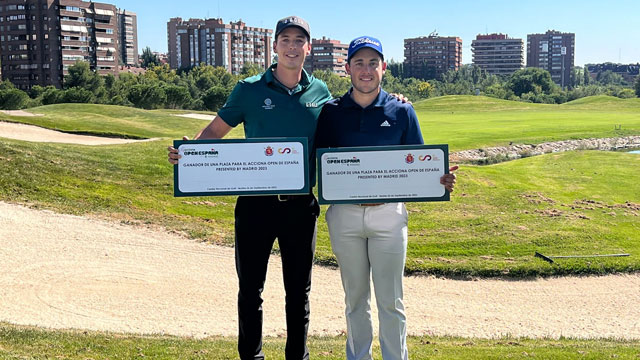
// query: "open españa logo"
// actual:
[[348, 162], [206, 153], [424, 158]]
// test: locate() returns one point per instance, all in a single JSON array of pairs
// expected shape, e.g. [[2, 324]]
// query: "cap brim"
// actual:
[[298, 26]]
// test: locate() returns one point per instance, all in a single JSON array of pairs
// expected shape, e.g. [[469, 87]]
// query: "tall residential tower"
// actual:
[[40, 39], [327, 54], [431, 56], [128, 29], [212, 42], [553, 51], [498, 54]]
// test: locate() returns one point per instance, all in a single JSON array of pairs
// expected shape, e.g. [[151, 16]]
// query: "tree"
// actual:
[[423, 89], [396, 69], [51, 95], [530, 80], [574, 78], [215, 97], [36, 91], [587, 77], [336, 84], [6, 85], [78, 95], [147, 96], [149, 58], [608, 77], [13, 99], [250, 69], [162, 73], [80, 75], [637, 86], [497, 90], [206, 76], [177, 96]]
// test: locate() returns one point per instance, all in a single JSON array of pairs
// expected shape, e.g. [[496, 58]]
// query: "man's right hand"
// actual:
[[173, 153]]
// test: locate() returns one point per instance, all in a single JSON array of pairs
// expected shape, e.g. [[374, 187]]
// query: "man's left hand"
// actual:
[[400, 97], [449, 180]]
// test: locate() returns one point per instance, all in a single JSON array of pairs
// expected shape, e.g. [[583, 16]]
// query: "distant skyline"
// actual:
[[604, 32]]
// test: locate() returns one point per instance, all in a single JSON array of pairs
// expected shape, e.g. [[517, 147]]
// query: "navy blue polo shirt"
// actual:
[[386, 121]]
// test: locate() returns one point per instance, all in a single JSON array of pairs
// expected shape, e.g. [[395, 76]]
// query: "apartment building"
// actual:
[[429, 57], [212, 42], [40, 39], [128, 40], [553, 51], [629, 72], [327, 54], [498, 54]]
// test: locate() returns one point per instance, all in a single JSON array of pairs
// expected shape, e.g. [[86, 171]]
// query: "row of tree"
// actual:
[[206, 87]]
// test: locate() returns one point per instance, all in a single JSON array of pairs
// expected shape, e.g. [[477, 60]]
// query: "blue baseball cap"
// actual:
[[363, 42]]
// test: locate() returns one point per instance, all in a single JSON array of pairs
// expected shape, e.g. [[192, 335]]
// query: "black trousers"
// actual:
[[259, 220]]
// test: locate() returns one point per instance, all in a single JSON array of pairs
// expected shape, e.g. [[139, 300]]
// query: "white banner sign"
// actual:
[[223, 168], [407, 174]]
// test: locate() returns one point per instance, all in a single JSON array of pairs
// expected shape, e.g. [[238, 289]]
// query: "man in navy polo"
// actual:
[[370, 240]]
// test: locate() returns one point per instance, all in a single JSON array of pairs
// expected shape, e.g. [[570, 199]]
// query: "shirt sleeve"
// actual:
[[322, 132], [232, 111], [413, 134], [327, 95]]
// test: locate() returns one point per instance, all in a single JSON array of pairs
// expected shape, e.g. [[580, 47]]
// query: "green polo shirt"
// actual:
[[268, 109]]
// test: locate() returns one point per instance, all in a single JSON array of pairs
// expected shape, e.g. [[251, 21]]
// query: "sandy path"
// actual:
[[34, 133], [19, 113], [197, 116], [64, 271]]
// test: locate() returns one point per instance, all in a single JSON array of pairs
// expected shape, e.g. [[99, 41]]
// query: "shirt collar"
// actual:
[[379, 101], [305, 80]]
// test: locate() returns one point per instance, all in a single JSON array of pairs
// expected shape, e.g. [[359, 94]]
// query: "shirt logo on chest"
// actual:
[[385, 124], [312, 105], [267, 104]]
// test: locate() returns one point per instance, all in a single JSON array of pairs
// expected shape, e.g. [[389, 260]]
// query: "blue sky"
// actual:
[[603, 32]]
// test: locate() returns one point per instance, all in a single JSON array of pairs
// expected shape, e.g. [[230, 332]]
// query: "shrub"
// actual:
[[147, 96], [626, 94], [78, 95], [13, 99], [51, 95]]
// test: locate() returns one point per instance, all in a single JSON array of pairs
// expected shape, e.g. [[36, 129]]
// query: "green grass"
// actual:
[[20, 342], [584, 202], [469, 122], [110, 120], [575, 203]]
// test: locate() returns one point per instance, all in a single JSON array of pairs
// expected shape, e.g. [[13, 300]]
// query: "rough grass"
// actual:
[[20, 342], [574, 203]]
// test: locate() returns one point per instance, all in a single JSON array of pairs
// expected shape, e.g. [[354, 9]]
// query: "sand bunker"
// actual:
[[37, 134]]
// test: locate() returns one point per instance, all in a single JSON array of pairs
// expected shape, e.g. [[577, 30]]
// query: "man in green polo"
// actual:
[[284, 101]]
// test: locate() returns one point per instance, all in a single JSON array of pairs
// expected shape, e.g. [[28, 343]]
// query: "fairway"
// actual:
[[470, 122], [574, 203]]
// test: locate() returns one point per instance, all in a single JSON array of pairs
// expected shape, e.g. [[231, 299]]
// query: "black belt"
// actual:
[[277, 198]]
